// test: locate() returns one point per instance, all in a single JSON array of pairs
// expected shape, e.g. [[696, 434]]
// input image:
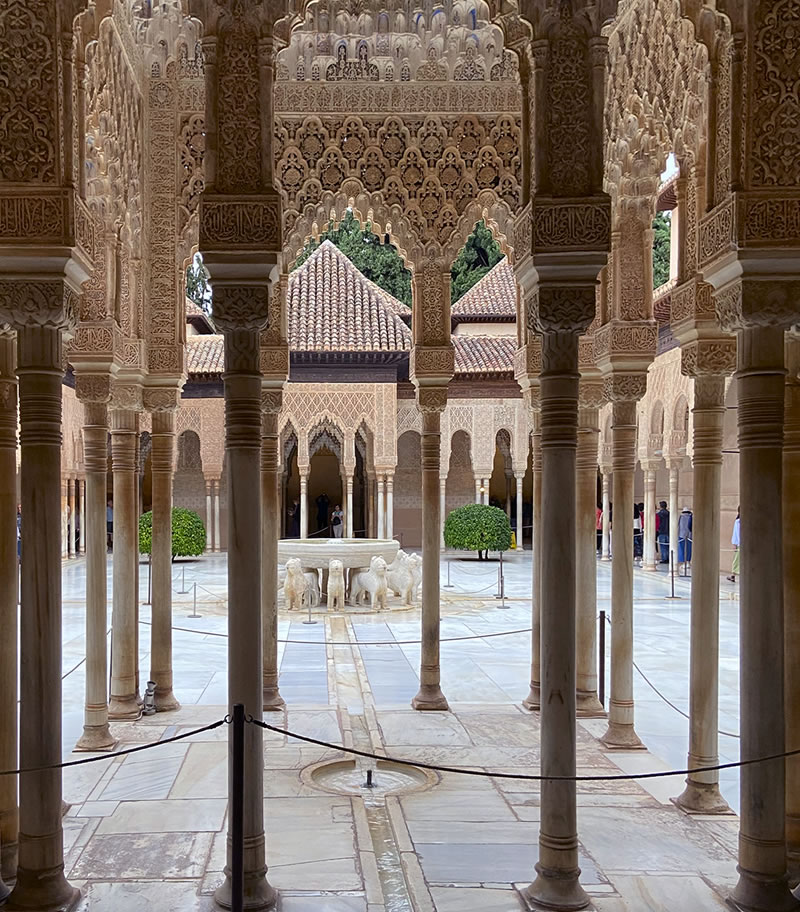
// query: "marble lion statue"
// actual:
[[335, 585], [415, 565], [312, 589], [399, 578], [295, 585], [370, 582]]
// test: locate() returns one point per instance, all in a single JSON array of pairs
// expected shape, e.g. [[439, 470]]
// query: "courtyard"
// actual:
[[150, 828]]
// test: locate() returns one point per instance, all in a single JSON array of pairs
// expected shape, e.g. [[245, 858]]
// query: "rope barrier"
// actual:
[[120, 753], [493, 774]]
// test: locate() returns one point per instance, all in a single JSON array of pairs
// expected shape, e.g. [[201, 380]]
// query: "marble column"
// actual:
[[243, 444], [520, 531], [40, 883], [508, 498], [762, 881], [163, 470], [124, 656], [791, 596], [94, 393], [532, 701], [588, 703], [621, 733], [430, 696], [606, 532], [271, 515], [210, 540], [478, 492], [70, 517], [217, 526], [64, 519], [9, 620], [702, 794], [381, 505], [349, 505], [303, 505], [82, 515], [443, 506], [674, 506], [649, 518], [557, 885], [390, 506]]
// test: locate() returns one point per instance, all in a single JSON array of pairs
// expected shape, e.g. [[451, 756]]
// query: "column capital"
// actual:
[[94, 388], [51, 303], [271, 400], [624, 387], [561, 308], [752, 303], [240, 306], [709, 357], [432, 365], [126, 397], [161, 399], [626, 345], [591, 393], [431, 399]]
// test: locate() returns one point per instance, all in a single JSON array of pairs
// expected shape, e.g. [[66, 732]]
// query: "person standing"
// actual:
[[735, 541], [599, 527], [685, 536], [638, 550], [337, 521], [662, 531], [294, 519], [110, 524], [323, 504]]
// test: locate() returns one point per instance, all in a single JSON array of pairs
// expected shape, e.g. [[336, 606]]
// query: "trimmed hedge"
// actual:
[[477, 527], [188, 533]]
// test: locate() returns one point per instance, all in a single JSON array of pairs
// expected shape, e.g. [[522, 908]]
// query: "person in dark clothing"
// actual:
[[323, 503], [662, 531], [638, 548], [294, 519]]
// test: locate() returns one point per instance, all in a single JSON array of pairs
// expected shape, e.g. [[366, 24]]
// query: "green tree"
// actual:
[[197, 287], [662, 226], [188, 533], [476, 258], [374, 258], [477, 527]]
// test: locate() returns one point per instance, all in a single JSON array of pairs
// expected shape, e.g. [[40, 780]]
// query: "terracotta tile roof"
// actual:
[[333, 307], [484, 355], [205, 354], [494, 296]]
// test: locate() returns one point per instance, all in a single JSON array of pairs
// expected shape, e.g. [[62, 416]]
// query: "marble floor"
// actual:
[[150, 827]]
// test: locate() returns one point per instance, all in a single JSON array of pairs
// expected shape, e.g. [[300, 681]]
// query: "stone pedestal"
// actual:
[[621, 733], [270, 533], [702, 794], [124, 654], [163, 469], [430, 696], [532, 701], [40, 884], [556, 885], [9, 623], [588, 703], [94, 393]]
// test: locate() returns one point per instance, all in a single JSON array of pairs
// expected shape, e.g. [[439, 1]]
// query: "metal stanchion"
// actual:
[[448, 585], [309, 620], [501, 580], [672, 574], [183, 590], [237, 810], [194, 613], [149, 577], [601, 676]]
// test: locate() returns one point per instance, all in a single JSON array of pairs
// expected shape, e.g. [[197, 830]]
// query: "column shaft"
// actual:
[[586, 563], [124, 655], [209, 518], [702, 789], [520, 530], [70, 517], [381, 502], [82, 515], [791, 595], [478, 496], [443, 506], [217, 526], [96, 734], [303, 507], [649, 520], [349, 506], [390, 506], [41, 884], [532, 701], [674, 508], [9, 619], [243, 427], [271, 515], [606, 539], [556, 885], [621, 733], [762, 839], [430, 695], [163, 469]]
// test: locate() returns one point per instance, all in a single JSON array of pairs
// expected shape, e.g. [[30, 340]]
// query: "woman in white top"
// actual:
[[735, 541], [337, 521]]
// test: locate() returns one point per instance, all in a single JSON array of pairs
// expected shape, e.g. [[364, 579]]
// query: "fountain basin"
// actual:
[[316, 553], [348, 777]]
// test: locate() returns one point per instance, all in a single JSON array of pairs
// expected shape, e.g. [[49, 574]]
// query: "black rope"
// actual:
[[121, 753], [497, 775]]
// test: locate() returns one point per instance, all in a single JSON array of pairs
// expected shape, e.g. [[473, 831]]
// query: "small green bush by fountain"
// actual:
[[477, 527], [188, 533]]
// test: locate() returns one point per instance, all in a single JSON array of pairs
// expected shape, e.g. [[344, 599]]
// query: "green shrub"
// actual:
[[477, 527], [188, 533]]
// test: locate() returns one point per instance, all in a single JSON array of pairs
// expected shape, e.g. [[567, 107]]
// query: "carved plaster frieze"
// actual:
[[747, 303], [240, 307], [690, 302], [557, 309], [624, 345], [708, 357], [50, 303], [432, 363], [575, 224], [243, 224], [528, 361], [167, 359], [274, 361]]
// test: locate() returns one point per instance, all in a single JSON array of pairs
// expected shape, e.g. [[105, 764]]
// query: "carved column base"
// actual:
[[588, 704], [554, 890], [757, 893], [124, 709], [702, 798], [430, 697], [165, 700], [534, 700], [9, 851], [96, 738], [259, 894], [34, 892], [621, 736], [273, 701]]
